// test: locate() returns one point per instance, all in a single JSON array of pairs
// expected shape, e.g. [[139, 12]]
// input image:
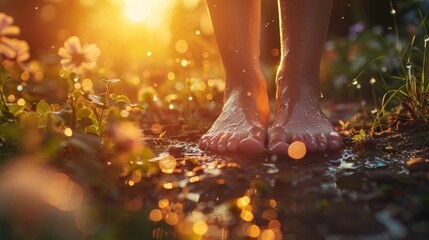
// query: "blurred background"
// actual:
[[141, 40], [170, 45]]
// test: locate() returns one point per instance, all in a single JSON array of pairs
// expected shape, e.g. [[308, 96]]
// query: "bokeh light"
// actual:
[[297, 150]]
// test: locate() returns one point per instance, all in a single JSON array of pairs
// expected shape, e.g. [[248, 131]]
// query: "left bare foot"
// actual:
[[299, 117]]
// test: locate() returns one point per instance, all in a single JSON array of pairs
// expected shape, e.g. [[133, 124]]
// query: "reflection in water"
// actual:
[[184, 193], [267, 197]]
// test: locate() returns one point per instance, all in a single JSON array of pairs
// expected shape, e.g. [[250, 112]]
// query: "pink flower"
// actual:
[[17, 50], [76, 58]]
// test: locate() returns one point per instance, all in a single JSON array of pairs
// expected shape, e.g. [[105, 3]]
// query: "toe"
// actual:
[[222, 143], [310, 142], [297, 137], [334, 141], [204, 142], [279, 148], [322, 142], [276, 136], [232, 145], [254, 142], [214, 142], [250, 145]]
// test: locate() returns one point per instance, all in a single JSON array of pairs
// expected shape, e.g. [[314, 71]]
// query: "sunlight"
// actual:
[[152, 12], [137, 10]]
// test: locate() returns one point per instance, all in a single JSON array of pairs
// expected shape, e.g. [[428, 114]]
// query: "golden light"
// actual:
[[200, 227], [243, 202], [268, 235], [247, 216], [167, 164], [21, 102], [171, 218], [152, 12], [253, 231], [68, 132], [155, 215], [297, 150], [137, 10]]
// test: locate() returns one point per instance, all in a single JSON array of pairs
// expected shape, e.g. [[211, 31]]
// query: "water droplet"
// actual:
[[36, 8], [372, 81], [190, 98], [76, 79], [426, 39], [409, 65], [358, 86], [393, 11], [19, 87], [355, 82]]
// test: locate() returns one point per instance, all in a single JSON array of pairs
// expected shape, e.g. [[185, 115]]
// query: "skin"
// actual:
[[243, 123]]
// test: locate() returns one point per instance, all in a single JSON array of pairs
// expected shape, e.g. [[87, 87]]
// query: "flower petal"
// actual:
[[10, 30], [88, 65], [7, 51], [73, 45], [64, 53]]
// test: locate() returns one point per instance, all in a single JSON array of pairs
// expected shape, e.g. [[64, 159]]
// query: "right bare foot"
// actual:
[[242, 124]]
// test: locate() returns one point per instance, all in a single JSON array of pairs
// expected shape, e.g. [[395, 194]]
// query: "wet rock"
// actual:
[[176, 151], [418, 164]]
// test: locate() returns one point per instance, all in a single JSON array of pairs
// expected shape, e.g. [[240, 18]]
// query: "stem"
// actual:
[[100, 119], [393, 11], [2, 98], [422, 79], [73, 105]]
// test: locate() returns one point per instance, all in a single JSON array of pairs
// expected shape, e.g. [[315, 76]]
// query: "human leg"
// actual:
[[243, 121], [298, 115]]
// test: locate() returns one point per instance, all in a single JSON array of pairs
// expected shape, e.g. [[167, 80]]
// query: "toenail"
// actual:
[[335, 143], [334, 134]]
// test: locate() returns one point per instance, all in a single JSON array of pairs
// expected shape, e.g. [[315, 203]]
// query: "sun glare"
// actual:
[[137, 10], [152, 12]]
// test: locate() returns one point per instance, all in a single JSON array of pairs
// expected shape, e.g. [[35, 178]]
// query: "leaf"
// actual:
[[63, 115], [360, 136], [15, 109], [93, 129], [42, 120], [84, 112], [122, 98], [43, 107], [97, 100], [112, 81], [136, 106]]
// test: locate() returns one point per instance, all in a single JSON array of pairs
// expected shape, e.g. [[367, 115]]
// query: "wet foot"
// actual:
[[242, 124], [299, 117]]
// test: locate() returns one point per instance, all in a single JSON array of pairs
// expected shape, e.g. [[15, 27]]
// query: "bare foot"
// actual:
[[299, 117], [242, 124]]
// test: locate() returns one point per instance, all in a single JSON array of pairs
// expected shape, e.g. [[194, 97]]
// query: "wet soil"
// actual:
[[365, 191], [374, 188]]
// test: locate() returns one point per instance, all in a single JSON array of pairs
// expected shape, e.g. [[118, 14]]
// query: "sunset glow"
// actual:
[[152, 12]]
